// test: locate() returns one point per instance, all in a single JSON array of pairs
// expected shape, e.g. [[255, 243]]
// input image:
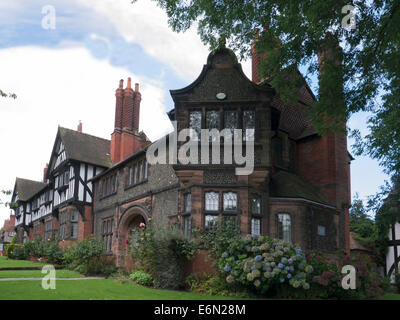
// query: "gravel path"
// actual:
[[31, 279]]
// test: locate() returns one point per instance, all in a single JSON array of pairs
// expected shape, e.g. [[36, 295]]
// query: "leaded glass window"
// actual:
[[231, 120], [146, 167], [195, 124], [230, 201], [187, 226], [212, 201], [284, 231], [255, 227], [210, 221], [188, 203], [249, 124], [212, 121], [107, 234], [140, 171], [135, 174], [256, 205]]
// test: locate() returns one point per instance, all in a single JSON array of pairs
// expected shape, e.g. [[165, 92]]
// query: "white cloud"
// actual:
[[146, 24], [61, 86]]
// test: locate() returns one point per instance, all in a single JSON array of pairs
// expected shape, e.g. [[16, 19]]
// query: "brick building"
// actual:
[[299, 189], [7, 232]]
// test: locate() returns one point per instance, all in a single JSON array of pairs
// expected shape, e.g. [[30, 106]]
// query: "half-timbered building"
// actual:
[[61, 206], [393, 234]]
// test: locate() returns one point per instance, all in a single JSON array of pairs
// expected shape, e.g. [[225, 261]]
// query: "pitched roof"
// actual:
[[293, 118], [85, 147], [355, 244], [27, 188], [284, 184]]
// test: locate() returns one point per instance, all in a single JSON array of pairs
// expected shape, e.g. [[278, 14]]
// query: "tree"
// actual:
[[293, 33], [360, 222], [5, 95], [6, 193]]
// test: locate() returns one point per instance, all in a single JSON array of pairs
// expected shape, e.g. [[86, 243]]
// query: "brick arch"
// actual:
[[130, 219]]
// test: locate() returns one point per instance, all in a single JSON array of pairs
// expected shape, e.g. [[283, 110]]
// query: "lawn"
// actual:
[[4, 263], [105, 289], [390, 296], [37, 274]]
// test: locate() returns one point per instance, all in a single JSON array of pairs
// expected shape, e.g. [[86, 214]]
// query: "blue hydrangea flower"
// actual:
[[273, 264], [287, 268], [280, 266], [289, 275], [299, 251], [290, 260], [253, 268], [258, 258], [227, 268]]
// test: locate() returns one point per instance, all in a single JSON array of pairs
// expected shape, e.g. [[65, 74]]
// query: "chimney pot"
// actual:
[[136, 87], [121, 83], [80, 126], [45, 173], [129, 83]]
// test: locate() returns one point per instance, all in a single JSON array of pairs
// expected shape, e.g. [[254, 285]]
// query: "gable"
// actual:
[[222, 74], [82, 147], [24, 189]]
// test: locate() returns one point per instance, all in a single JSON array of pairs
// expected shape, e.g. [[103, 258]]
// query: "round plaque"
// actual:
[[221, 96]]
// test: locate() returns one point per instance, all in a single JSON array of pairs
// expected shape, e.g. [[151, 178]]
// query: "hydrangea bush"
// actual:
[[262, 263], [279, 269]]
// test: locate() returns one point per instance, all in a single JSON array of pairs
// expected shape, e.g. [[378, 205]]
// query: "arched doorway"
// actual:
[[127, 227]]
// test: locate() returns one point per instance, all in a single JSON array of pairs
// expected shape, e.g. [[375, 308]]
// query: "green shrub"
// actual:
[[101, 265], [18, 253], [53, 252], [48, 249], [161, 251], [35, 248], [212, 284], [142, 278], [87, 257], [79, 254], [9, 248]]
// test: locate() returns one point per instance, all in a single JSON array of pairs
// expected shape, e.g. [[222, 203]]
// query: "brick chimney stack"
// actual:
[[79, 126], [330, 170], [12, 221], [255, 59], [46, 168], [126, 139], [136, 110]]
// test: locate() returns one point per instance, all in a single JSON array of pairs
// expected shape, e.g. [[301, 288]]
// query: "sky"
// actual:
[[68, 71]]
